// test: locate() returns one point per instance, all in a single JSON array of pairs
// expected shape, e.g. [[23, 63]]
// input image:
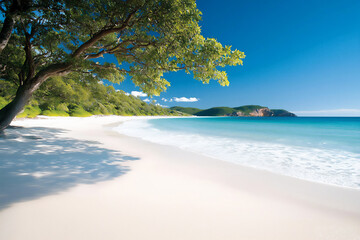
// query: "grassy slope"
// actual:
[[65, 97], [188, 110], [247, 108]]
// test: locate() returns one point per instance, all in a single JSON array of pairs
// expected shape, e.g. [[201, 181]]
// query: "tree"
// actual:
[[147, 39]]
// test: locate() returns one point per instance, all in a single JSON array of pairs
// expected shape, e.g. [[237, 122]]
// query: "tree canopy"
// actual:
[[109, 39]]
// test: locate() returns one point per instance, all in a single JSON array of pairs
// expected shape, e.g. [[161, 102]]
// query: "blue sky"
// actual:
[[303, 56]]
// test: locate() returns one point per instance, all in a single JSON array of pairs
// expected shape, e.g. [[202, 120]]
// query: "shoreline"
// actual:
[[284, 185], [169, 193], [224, 160]]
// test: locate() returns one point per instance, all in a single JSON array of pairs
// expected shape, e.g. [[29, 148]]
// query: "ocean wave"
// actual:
[[341, 168]]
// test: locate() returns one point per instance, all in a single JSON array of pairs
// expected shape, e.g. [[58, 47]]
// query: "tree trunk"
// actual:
[[24, 92], [9, 112]]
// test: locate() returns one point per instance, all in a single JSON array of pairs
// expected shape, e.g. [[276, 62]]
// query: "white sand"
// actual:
[[62, 186]]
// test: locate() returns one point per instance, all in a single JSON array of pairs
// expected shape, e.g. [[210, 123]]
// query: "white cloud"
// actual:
[[330, 113], [138, 94], [146, 100], [164, 99], [185, 99], [164, 106]]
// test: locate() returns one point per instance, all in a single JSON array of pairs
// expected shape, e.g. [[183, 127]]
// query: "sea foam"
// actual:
[[329, 166]]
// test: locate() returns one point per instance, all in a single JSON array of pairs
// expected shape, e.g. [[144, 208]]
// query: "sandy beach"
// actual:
[[76, 179]]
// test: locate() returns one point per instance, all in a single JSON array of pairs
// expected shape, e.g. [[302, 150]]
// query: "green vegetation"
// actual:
[[3, 102], [62, 96], [215, 111], [188, 110], [92, 40], [282, 113], [246, 110], [30, 111]]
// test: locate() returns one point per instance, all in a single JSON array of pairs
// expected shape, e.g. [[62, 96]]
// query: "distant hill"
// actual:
[[187, 110], [282, 112], [247, 109], [216, 111], [242, 111]]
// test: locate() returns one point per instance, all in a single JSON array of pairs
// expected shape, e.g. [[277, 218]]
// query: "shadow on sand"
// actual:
[[35, 162]]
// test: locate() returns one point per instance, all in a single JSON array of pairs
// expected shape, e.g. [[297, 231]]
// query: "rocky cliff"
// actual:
[[263, 112]]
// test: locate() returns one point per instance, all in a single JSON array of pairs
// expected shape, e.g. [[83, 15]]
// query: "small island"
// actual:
[[242, 111]]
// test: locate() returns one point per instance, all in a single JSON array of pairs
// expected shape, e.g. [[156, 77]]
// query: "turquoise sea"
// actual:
[[320, 149]]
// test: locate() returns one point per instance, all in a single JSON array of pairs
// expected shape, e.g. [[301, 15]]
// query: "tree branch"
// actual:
[[119, 49], [29, 57], [98, 36], [28, 65], [6, 31], [16, 7], [58, 69], [112, 67]]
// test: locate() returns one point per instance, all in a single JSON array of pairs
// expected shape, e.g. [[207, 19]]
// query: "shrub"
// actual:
[[30, 112], [62, 107], [55, 113], [79, 112]]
